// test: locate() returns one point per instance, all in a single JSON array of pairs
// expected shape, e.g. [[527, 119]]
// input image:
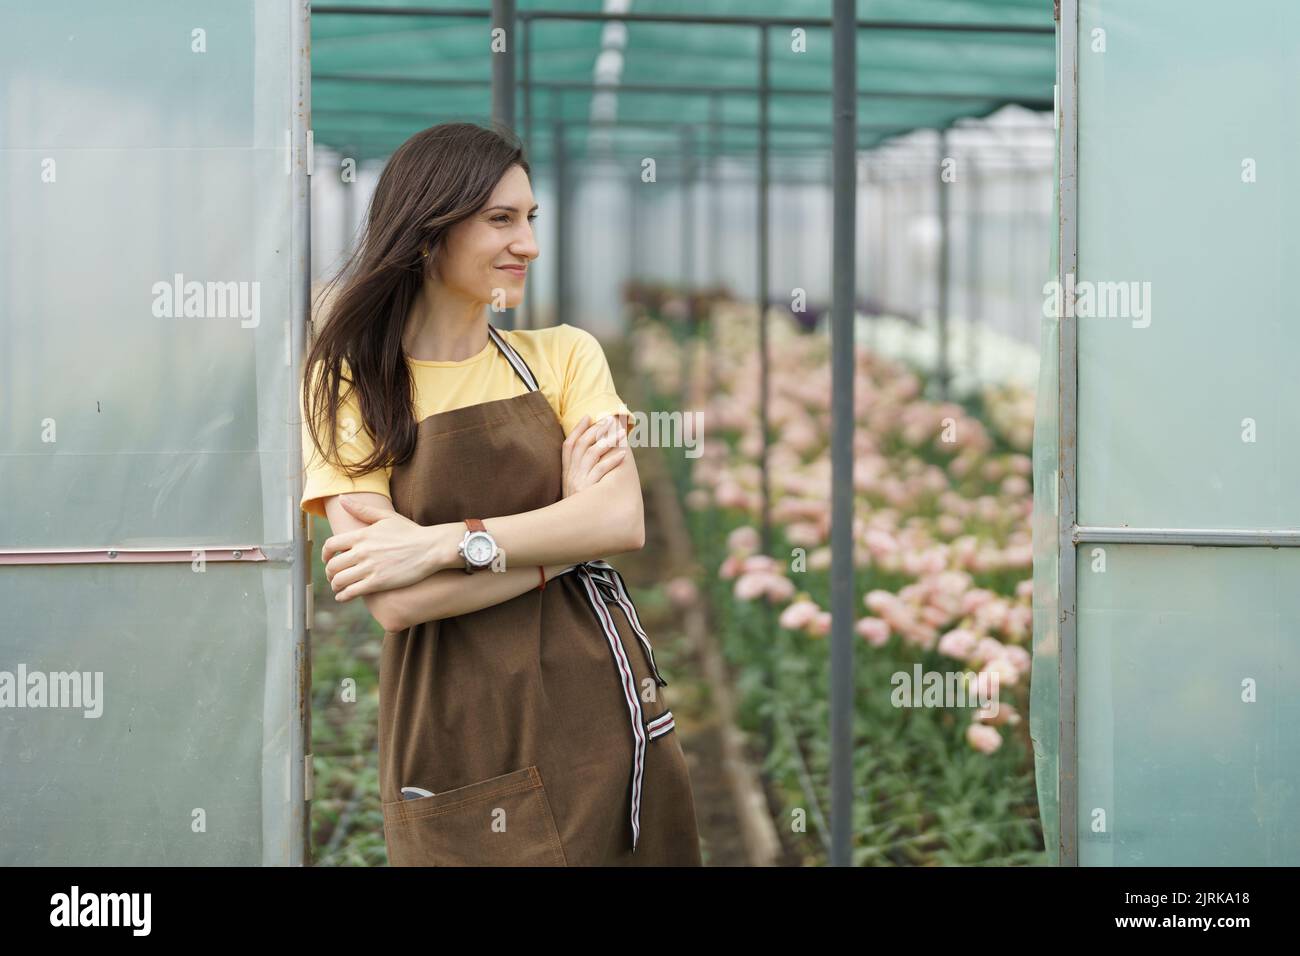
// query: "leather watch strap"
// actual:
[[475, 524]]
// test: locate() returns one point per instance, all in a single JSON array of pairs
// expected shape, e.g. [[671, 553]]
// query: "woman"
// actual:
[[522, 717]]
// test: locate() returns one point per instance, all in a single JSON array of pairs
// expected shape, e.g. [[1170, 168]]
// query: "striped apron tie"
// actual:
[[604, 586]]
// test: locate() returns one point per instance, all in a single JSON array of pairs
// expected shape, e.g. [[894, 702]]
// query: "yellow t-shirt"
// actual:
[[567, 361]]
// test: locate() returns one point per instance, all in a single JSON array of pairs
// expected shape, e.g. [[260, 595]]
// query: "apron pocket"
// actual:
[[501, 821]]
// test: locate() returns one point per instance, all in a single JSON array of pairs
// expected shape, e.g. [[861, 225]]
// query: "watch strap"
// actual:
[[475, 524]]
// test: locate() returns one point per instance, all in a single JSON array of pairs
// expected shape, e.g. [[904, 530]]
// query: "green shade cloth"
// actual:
[[440, 69]]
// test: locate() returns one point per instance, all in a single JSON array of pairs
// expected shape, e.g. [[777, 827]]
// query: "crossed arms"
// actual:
[[408, 573]]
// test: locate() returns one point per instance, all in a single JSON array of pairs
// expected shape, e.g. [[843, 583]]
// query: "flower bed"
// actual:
[[942, 574]]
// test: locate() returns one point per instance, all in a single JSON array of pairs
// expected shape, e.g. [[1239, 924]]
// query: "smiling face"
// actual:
[[484, 258]]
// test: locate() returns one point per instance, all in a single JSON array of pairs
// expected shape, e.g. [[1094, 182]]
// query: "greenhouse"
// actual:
[[941, 329]]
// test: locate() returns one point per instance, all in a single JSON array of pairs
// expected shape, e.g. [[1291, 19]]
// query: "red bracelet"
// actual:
[[542, 574]]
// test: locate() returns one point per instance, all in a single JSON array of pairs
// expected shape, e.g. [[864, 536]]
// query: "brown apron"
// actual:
[[538, 724]]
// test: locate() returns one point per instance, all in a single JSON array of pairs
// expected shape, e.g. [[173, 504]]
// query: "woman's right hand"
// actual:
[[591, 452]]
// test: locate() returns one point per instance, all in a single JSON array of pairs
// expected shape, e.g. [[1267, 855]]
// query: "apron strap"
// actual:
[[514, 358], [611, 582], [604, 585]]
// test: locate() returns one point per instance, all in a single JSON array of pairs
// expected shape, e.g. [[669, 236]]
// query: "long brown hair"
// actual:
[[436, 179]]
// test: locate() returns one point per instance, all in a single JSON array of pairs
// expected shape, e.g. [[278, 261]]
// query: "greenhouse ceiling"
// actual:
[[382, 71]]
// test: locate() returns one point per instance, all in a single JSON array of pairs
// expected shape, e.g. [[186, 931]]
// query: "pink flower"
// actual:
[[1005, 670], [1019, 657], [1020, 556], [729, 567], [1020, 621], [953, 584], [921, 635], [983, 738], [873, 630], [880, 542], [878, 600], [728, 494], [800, 435], [1015, 486], [749, 586], [744, 540], [972, 600], [761, 564], [800, 509], [820, 625], [757, 583], [797, 615], [803, 534], [992, 615], [779, 588], [988, 648], [935, 616], [1006, 714], [959, 643], [682, 591], [949, 525]]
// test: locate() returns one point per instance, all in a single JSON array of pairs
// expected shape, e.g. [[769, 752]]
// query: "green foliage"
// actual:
[[346, 820]]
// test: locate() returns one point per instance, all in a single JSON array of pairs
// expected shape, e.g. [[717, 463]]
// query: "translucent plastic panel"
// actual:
[[145, 74], [1187, 397], [144, 147], [135, 167], [188, 760], [1189, 721]]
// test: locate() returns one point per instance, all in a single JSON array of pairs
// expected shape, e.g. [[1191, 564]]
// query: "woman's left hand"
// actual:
[[392, 551], [591, 451]]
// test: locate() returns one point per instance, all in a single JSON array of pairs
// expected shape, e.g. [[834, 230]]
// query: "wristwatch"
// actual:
[[478, 547]]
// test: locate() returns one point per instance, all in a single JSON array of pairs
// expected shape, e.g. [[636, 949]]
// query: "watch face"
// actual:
[[478, 549]]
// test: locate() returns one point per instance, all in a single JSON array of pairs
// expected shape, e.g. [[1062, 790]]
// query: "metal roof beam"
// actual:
[[691, 19], [691, 90]]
